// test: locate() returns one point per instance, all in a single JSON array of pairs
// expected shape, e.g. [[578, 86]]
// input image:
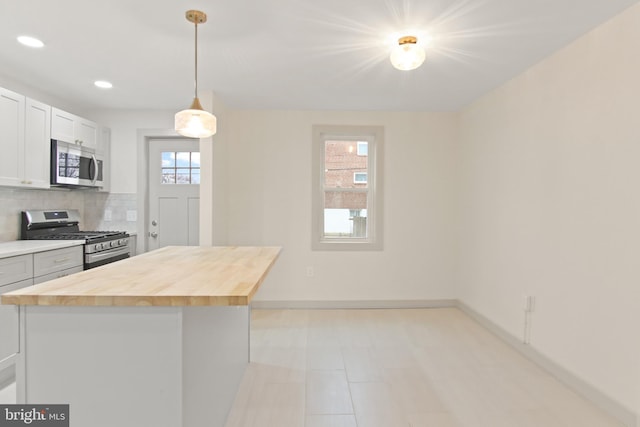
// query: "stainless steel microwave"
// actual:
[[75, 166]]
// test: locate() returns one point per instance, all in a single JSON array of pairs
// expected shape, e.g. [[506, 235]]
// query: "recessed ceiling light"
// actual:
[[30, 41], [102, 84]]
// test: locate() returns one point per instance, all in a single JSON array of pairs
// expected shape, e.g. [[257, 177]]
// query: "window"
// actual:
[[180, 167], [347, 187], [363, 148], [359, 177]]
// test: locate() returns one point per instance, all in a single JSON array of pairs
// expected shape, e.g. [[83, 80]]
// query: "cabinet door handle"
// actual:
[[60, 261]]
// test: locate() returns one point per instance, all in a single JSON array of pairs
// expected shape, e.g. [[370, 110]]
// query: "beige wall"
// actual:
[[269, 203], [549, 204]]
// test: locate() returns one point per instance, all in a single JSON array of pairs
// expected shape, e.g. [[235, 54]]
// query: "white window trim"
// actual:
[[374, 135]]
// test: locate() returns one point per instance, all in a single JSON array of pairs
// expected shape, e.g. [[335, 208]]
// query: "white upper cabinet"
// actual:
[[74, 129], [62, 124], [25, 137], [37, 144], [11, 137]]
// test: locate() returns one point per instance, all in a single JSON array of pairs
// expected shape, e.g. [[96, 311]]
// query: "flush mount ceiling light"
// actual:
[[195, 122], [30, 41], [408, 54]]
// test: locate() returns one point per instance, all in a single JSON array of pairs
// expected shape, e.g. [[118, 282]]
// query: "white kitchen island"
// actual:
[[161, 339]]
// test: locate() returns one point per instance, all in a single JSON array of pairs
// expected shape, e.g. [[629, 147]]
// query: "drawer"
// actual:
[[57, 260], [16, 286], [56, 275], [15, 269]]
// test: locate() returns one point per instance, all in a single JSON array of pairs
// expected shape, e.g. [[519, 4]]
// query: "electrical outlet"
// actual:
[[310, 271], [107, 215], [132, 216]]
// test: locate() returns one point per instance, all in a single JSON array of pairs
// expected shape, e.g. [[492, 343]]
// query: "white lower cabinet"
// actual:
[[15, 273], [15, 269], [20, 271], [9, 322], [56, 275], [56, 261]]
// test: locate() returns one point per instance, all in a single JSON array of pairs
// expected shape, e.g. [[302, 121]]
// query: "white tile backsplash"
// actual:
[[118, 205], [91, 204], [13, 201]]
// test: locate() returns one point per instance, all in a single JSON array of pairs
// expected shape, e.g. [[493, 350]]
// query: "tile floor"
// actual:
[[388, 368]]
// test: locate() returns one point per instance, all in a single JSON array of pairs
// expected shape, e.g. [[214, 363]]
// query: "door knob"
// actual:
[[154, 222], [153, 234]]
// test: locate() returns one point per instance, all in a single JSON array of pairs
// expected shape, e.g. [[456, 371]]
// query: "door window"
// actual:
[[180, 167]]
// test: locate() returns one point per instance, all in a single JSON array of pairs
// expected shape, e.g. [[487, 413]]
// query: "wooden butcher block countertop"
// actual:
[[171, 276]]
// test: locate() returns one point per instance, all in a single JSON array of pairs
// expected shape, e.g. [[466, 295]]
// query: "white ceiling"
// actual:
[[284, 54]]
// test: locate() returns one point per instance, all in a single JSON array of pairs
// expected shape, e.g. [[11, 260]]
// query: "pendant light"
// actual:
[[195, 122], [407, 55]]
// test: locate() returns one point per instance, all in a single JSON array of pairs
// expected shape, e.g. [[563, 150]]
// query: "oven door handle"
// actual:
[[99, 256], [94, 161]]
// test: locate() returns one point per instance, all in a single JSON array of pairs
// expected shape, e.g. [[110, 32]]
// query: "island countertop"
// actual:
[[170, 276]]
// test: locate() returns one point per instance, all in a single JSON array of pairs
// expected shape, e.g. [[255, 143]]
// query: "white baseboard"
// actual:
[[595, 396], [354, 304]]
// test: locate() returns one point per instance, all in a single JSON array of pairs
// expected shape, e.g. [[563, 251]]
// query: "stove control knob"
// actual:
[[122, 242], [98, 246], [112, 243]]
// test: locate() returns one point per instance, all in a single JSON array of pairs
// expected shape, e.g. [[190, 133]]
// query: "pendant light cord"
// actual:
[[196, 61]]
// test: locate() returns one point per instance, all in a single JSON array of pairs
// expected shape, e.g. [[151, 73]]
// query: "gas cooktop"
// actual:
[[61, 225], [80, 235]]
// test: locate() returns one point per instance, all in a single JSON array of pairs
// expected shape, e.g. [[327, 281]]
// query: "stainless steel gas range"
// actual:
[[100, 247]]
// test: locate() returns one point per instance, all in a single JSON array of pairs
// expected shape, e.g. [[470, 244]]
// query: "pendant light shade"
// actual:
[[195, 122], [408, 55]]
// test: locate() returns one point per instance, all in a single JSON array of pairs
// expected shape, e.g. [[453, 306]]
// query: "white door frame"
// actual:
[[178, 203], [206, 178], [144, 138]]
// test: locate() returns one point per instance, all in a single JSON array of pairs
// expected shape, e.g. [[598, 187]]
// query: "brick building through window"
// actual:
[[345, 168]]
